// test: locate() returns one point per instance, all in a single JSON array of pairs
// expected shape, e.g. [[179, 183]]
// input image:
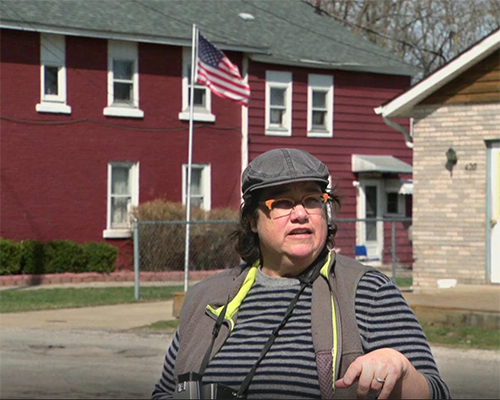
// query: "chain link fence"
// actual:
[[159, 246]]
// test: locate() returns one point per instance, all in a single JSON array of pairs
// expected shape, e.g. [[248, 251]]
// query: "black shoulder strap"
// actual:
[[215, 333]]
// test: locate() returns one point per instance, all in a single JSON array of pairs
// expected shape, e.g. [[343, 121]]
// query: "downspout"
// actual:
[[408, 135]]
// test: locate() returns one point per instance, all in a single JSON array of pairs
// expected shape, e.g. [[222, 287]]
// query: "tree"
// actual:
[[423, 33]]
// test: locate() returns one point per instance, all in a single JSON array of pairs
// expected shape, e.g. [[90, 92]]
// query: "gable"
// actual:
[[479, 84]]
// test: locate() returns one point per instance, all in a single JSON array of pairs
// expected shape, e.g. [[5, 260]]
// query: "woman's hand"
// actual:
[[386, 371]]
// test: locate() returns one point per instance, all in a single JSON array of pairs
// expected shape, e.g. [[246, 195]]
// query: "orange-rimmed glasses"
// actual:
[[281, 207]]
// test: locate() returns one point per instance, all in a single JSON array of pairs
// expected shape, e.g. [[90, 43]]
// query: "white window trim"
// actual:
[[199, 114], [53, 53], [207, 184], [282, 80], [113, 233], [127, 51], [324, 83]]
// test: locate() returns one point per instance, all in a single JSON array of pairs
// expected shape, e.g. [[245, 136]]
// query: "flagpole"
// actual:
[[194, 51]]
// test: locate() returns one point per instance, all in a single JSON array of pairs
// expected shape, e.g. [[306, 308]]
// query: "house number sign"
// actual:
[[471, 166]]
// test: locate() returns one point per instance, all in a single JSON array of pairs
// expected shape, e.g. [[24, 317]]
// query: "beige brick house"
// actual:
[[456, 168]]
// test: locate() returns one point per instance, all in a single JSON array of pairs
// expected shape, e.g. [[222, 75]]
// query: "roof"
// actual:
[[288, 32], [383, 164], [402, 105]]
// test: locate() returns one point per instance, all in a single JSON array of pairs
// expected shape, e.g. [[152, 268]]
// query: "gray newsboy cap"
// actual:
[[280, 166]]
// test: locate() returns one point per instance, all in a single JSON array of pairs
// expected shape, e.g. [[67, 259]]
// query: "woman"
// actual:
[[297, 320]]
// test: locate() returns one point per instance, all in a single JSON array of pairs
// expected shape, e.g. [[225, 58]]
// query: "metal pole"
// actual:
[[136, 258], [190, 155], [393, 250]]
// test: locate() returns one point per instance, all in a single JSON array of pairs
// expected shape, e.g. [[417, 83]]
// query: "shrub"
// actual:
[[32, 261], [161, 246], [63, 256], [100, 257], [10, 257]]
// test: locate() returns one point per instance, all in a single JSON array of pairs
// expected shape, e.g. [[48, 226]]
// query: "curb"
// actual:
[[89, 277]]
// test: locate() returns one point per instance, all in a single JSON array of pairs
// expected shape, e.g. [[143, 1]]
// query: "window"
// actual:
[[320, 106], [200, 185], [394, 200], [123, 195], [278, 103], [202, 95], [123, 80], [53, 75], [392, 203]]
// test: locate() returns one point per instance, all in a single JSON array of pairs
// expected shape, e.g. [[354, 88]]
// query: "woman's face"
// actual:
[[290, 243]]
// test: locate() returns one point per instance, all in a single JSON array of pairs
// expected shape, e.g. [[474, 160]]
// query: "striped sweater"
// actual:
[[289, 370]]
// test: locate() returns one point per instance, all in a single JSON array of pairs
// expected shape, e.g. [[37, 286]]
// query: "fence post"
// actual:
[[136, 258], [393, 250]]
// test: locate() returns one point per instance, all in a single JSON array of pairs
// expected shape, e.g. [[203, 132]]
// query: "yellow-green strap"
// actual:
[[235, 303]]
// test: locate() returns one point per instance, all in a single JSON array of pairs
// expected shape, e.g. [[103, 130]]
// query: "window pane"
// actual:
[[319, 99], [196, 182], [371, 212], [51, 80], [119, 215], [196, 201], [122, 69], [392, 203], [277, 117], [319, 119], [120, 181], [122, 92], [199, 96], [278, 97]]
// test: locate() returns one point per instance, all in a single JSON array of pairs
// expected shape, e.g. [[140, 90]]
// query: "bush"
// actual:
[[32, 261], [10, 257], [100, 257], [161, 246], [63, 256]]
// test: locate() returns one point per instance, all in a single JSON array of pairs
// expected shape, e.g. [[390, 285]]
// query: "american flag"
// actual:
[[220, 75]]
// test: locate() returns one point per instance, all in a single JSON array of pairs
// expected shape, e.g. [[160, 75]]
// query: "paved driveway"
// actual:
[[103, 364]]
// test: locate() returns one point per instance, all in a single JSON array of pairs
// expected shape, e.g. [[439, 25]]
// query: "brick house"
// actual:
[[456, 137], [94, 117]]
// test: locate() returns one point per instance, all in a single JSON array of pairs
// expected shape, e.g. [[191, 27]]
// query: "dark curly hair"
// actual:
[[247, 241]]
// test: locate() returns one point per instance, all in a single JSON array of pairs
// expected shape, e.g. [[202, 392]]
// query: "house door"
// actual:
[[369, 205], [495, 213]]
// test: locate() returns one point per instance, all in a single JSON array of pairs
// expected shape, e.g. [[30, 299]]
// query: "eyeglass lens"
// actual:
[[312, 203]]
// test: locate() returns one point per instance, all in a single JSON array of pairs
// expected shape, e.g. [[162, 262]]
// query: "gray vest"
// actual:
[[195, 329]]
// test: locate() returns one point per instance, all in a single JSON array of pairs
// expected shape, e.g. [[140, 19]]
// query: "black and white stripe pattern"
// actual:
[[289, 369], [385, 320]]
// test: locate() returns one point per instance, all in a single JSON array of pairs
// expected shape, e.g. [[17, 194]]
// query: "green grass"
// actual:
[[464, 337], [50, 299], [404, 281]]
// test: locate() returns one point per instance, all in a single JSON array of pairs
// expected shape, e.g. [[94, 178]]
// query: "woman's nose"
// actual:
[[299, 212]]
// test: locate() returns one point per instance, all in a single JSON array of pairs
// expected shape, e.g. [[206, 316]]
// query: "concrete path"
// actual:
[[116, 317]]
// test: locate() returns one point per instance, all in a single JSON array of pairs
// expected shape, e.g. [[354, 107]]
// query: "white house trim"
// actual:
[[402, 105]]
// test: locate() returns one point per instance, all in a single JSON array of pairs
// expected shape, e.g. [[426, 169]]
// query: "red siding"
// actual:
[[356, 129], [54, 166]]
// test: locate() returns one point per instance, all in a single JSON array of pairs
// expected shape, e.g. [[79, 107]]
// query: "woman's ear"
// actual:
[[253, 224]]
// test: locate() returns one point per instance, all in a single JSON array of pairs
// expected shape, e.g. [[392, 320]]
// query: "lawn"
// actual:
[[19, 300]]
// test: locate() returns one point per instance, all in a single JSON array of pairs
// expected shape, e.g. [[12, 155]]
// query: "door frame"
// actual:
[[374, 248], [493, 211]]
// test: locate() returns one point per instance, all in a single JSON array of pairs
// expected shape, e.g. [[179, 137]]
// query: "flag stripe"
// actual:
[[223, 91], [223, 80]]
